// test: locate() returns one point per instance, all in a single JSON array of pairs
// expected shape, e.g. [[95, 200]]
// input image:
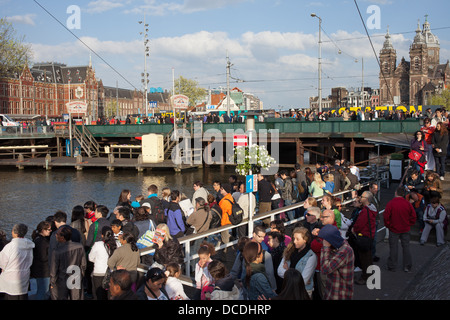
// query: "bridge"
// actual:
[[298, 140]]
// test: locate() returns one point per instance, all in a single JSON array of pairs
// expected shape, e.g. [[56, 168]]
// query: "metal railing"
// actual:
[[186, 240]]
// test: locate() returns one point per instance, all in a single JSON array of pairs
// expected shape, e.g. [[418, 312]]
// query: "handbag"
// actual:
[[146, 239], [415, 155]]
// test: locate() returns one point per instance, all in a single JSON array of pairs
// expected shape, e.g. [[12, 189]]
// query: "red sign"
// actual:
[[240, 140]]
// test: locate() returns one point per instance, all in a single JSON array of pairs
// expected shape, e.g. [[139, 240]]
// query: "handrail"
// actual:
[[185, 240]]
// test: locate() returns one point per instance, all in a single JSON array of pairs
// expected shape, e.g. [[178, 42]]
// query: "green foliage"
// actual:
[[442, 99], [190, 89], [14, 54]]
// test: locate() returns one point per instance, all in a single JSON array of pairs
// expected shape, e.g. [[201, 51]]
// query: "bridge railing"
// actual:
[[257, 218]]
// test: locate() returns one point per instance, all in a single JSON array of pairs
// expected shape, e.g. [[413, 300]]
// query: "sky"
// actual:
[[271, 44]]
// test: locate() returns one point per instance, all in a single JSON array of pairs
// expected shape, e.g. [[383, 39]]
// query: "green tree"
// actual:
[[442, 99], [190, 89], [14, 54]]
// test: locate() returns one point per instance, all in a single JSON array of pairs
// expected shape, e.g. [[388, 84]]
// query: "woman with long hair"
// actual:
[[124, 199], [428, 130], [439, 142], [256, 281], [316, 187], [100, 253], [293, 287], [298, 255], [419, 145], [40, 267], [127, 256]]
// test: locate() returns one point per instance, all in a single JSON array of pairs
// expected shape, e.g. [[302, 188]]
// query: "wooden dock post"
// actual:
[[20, 159], [110, 162], [48, 161], [79, 160]]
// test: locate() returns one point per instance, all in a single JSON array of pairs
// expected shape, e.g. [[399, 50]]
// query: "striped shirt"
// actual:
[[337, 266]]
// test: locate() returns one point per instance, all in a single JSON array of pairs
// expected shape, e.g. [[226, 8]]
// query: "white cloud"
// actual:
[[100, 6], [23, 19], [161, 8]]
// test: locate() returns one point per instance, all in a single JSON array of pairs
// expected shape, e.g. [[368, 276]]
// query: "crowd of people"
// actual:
[[97, 254]]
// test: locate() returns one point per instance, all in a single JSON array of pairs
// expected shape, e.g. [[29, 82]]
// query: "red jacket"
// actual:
[[399, 215], [361, 225]]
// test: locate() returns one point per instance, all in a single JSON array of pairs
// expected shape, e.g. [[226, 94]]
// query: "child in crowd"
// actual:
[[202, 276], [116, 226], [174, 287], [223, 287]]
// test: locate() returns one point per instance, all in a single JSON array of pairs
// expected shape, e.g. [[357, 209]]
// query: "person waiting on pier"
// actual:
[[201, 274], [337, 262], [120, 286], [124, 215], [168, 249], [299, 255], [226, 205], [432, 186], [95, 230], [175, 216], [256, 280], [435, 217], [399, 215], [40, 267], [316, 187], [439, 142], [287, 193], [418, 202], [199, 191], [66, 255], [89, 210], [126, 257], [16, 259], [414, 181]]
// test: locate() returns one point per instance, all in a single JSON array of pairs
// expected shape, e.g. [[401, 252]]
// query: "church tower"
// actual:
[[388, 62], [419, 67]]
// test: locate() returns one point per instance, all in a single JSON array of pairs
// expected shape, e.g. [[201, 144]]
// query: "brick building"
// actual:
[[413, 82], [45, 88]]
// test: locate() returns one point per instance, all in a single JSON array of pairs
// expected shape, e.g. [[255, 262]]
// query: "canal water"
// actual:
[[29, 196]]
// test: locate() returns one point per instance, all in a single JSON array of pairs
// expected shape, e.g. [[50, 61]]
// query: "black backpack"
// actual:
[[157, 209], [236, 213]]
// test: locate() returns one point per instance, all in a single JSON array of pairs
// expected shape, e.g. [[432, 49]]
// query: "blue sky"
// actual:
[[273, 45]]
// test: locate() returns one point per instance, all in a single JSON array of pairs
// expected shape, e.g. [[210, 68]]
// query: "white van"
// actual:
[[10, 125], [6, 121]]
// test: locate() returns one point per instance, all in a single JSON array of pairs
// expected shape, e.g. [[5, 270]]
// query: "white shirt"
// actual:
[[174, 289], [99, 256], [16, 259]]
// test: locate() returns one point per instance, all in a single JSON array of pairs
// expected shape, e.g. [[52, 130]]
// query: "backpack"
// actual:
[[216, 213], [236, 213], [157, 209]]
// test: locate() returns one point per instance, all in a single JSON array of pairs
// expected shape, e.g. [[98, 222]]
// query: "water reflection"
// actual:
[[29, 196]]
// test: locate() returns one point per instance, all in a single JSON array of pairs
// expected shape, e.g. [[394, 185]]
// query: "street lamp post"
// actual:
[[320, 59], [146, 54]]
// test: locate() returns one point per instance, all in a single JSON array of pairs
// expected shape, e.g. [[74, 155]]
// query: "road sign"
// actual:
[[251, 183], [240, 140]]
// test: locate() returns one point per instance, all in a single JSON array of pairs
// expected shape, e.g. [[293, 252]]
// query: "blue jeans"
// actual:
[[43, 288]]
